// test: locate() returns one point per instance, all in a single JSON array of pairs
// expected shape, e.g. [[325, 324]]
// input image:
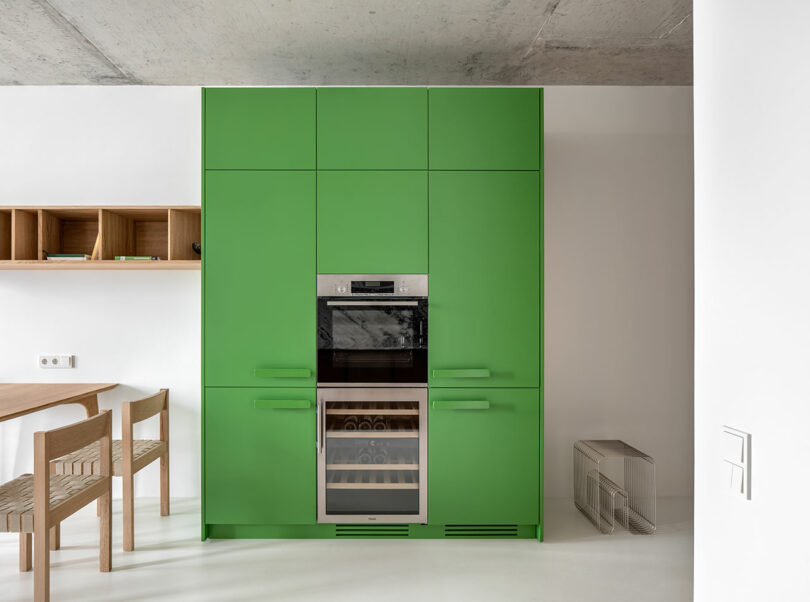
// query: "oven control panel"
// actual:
[[372, 285]]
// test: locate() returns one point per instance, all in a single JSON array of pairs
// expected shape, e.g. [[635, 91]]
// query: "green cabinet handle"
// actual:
[[282, 372], [281, 404], [481, 404], [462, 373]]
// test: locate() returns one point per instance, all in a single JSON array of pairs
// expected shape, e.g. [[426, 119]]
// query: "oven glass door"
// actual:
[[372, 340]]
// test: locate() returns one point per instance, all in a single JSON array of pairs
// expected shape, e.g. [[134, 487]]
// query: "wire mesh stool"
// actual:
[[629, 502]]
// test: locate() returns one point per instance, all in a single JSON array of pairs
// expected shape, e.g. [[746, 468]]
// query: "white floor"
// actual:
[[575, 563]]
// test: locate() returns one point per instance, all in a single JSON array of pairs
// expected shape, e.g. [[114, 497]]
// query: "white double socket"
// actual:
[[56, 361], [736, 450]]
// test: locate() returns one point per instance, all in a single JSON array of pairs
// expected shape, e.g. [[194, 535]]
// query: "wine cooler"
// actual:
[[372, 455]]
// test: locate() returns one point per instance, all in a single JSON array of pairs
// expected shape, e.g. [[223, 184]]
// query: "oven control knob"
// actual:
[[403, 288], [341, 289]]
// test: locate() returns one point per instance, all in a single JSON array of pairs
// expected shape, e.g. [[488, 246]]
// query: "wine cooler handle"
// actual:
[[480, 404], [462, 373], [321, 425]]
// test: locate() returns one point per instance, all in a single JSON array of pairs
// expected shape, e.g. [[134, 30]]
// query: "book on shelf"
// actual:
[[137, 258], [67, 257]]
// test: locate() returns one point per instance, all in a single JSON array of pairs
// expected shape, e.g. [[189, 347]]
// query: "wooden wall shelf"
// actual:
[[28, 234]]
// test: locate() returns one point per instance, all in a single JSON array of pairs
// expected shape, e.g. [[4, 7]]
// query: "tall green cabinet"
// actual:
[[443, 181]]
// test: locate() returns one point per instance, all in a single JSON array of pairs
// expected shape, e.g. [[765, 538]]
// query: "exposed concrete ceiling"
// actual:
[[386, 42]]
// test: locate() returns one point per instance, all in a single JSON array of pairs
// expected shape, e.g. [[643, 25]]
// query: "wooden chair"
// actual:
[[128, 457], [33, 504]]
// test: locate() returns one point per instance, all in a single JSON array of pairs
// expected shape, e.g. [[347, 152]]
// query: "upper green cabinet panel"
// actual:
[[485, 258], [259, 278], [372, 128], [372, 222], [259, 128], [485, 128]]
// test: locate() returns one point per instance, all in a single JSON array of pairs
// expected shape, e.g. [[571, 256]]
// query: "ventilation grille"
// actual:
[[480, 531], [372, 530]]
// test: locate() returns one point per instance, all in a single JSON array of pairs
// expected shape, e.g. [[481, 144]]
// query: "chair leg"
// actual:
[[42, 565], [25, 552], [105, 533], [164, 484], [129, 513], [56, 536]]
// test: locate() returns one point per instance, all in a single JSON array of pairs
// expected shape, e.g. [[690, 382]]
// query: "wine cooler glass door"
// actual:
[[372, 455]]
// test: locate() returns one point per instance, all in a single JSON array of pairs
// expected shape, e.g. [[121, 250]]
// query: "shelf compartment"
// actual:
[[396, 458], [23, 234], [135, 231], [184, 229], [373, 479], [384, 424], [67, 231], [5, 234]]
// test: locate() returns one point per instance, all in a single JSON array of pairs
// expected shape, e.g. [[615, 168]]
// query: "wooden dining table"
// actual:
[[18, 399]]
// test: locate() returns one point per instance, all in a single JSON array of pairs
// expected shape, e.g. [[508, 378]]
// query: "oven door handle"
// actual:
[[375, 303]]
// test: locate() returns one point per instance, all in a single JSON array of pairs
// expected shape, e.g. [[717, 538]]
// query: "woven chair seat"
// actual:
[[86, 460], [17, 499]]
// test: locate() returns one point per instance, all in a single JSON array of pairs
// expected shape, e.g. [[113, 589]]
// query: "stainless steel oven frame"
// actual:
[[373, 393]]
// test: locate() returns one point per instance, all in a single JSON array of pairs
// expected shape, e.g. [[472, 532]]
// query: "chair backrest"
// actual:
[[147, 407], [52, 444]]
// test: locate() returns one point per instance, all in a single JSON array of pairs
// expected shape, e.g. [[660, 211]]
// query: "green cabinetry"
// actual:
[[259, 128], [372, 222], [259, 278], [259, 456], [484, 279], [485, 128], [483, 465], [372, 128]]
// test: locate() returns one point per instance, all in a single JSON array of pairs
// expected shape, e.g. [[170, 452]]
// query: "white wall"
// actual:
[[618, 267], [752, 295], [618, 228], [106, 146]]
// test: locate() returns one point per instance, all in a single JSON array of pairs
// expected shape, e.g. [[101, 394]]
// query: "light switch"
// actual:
[[735, 447]]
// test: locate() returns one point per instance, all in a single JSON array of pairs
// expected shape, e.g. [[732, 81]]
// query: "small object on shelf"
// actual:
[[67, 256], [96, 254], [197, 248], [137, 258]]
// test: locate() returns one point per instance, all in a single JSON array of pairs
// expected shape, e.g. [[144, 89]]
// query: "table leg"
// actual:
[[90, 405]]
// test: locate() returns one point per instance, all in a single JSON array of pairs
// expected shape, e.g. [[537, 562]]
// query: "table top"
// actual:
[[17, 399]]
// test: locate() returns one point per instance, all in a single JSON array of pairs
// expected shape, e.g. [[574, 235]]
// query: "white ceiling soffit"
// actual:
[[317, 42]]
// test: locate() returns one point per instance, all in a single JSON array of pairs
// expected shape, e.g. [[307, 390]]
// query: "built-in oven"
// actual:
[[372, 329]]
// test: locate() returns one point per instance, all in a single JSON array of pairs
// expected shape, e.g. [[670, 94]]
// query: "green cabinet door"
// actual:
[[372, 128], [484, 279], [372, 222], [260, 456], [484, 461], [485, 128], [259, 128], [259, 262]]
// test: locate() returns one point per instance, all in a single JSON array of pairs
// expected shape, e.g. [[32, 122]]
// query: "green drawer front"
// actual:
[[485, 128], [260, 456], [259, 128], [372, 128], [484, 460], [372, 222]]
